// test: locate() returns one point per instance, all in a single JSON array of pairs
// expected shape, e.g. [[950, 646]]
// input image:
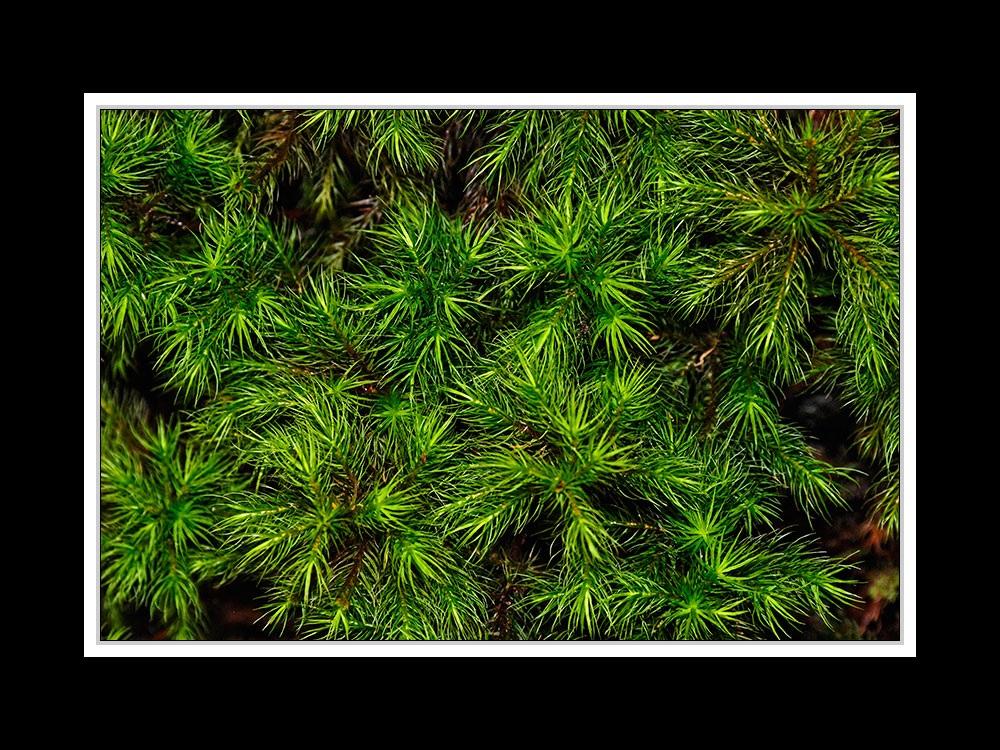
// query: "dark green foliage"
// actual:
[[504, 374]]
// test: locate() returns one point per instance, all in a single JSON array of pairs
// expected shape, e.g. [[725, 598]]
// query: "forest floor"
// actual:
[[847, 533], [234, 615]]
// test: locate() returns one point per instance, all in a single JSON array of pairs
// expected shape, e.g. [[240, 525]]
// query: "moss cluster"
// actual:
[[505, 374]]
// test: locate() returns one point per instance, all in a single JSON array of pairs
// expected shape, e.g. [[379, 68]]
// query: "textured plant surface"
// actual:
[[507, 374]]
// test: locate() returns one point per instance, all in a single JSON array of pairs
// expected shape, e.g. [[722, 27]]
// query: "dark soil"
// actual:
[[850, 533]]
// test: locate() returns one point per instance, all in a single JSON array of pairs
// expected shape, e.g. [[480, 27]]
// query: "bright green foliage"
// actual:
[[159, 508], [482, 375]]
